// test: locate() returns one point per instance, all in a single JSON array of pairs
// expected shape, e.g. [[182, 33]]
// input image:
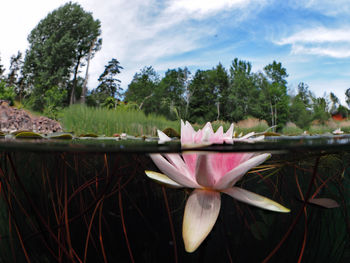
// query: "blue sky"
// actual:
[[309, 37]]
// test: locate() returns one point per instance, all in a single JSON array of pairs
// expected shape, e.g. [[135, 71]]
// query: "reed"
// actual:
[[101, 121]]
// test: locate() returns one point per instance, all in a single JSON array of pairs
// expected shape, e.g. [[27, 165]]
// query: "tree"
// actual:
[[15, 67], [335, 102], [300, 109], [171, 93], [58, 45], [320, 109], [243, 93], [347, 95], [276, 92], [109, 85], [142, 89], [204, 89], [2, 70]]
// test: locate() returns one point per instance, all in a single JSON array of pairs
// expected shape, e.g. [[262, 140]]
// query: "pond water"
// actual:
[[89, 200]]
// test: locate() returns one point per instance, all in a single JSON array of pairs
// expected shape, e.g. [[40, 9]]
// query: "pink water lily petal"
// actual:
[[218, 136], [255, 199], [230, 178], [229, 133], [162, 179], [177, 161], [187, 133], [201, 211], [204, 170], [173, 173]]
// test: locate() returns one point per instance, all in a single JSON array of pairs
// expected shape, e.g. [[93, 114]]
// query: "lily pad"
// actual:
[[28, 135], [20, 131], [2, 134], [268, 134], [63, 136], [170, 132], [90, 135]]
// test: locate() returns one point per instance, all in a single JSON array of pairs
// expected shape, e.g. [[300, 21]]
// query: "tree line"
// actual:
[[231, 95], [49, 77]]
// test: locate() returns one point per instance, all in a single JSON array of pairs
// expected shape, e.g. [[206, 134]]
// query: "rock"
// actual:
[[12, 119]]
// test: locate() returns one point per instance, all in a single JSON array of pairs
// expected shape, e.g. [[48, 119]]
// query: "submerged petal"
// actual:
[[201, 211], [230, 178], [162, 179], [255, 199], [324, 202], [172, 172]]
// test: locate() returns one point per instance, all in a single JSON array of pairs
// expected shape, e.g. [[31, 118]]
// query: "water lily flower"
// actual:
[[210, 174]]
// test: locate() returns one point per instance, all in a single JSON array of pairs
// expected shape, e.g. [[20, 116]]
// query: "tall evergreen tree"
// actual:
[[109, 85], [15, 67]]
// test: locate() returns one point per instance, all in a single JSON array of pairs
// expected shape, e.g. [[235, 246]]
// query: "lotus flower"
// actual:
[[210, 175]]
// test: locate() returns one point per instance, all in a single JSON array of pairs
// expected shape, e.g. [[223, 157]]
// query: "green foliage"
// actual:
[[142, 89], [54, 98], [82, 119], [110, 103], [57, 46], [7, 92]]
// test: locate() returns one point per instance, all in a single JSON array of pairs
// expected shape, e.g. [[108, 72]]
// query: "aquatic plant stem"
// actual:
[[170, 222], [123, 223], [298, 215]]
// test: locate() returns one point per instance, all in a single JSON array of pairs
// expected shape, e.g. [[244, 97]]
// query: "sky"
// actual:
[[309, 37]]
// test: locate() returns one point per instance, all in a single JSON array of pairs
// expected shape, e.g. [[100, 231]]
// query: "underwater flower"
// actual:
[[210, 174]]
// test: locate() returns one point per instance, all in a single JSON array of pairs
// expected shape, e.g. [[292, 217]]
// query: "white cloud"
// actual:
[[146, 32], [319, 41], [327, 7], [200, 8]]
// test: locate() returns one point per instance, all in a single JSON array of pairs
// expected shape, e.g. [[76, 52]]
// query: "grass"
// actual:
[[101, 121]]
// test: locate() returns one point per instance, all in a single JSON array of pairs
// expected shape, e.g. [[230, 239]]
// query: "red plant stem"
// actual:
[[100, 233], [36, 210], [170, 223], [123, 223], [89, 229], [305, 218], [298, 215]]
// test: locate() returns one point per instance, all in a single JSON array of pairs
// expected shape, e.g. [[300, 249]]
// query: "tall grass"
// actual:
[[101, 121]]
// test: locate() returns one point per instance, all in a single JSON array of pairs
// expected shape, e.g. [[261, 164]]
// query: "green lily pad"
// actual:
[[61, 136], [272, 134], [91, 135], [170, 132], [20, 131], [28, 135], [2, 134]]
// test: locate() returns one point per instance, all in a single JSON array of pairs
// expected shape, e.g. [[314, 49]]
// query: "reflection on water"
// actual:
[[76, 200]]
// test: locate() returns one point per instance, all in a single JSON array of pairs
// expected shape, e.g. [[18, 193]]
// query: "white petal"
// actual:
[[163, 137], [201, 211], [231, 177], [162, 179], [173, 173], [255, 199], [248, 135]]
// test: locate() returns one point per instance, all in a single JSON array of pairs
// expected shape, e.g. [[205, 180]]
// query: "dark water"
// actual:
[[90, 201]]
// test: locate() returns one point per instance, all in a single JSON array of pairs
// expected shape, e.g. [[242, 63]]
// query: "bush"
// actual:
[[7, 93]]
